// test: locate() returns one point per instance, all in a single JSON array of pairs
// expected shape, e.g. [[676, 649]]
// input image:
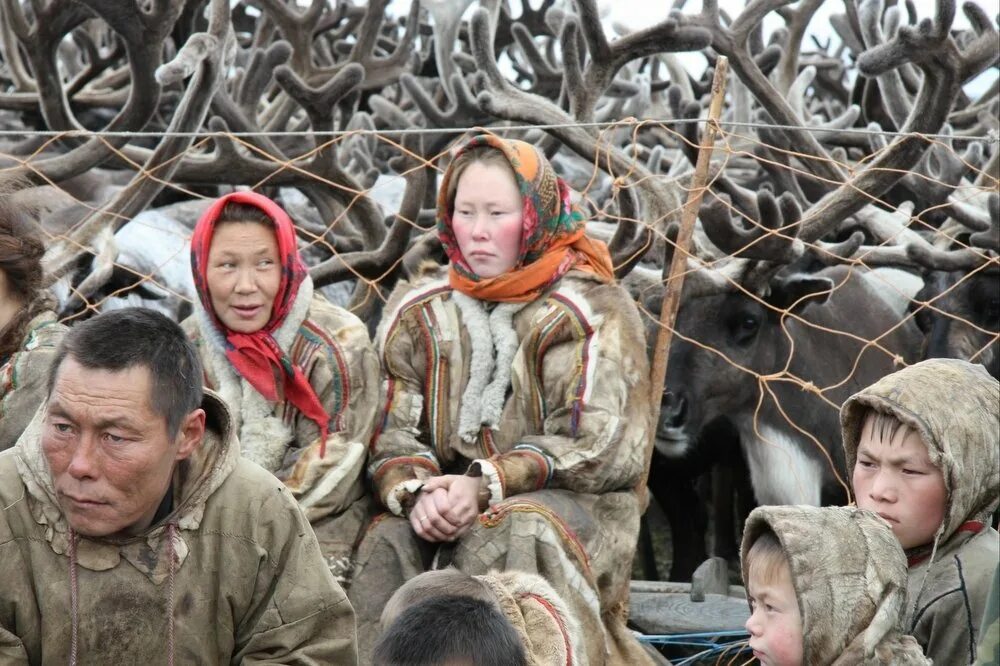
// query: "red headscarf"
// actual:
[[552, 234], [257, 356]]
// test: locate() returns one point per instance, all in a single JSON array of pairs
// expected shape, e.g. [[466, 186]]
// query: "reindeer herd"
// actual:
[[851, 222]]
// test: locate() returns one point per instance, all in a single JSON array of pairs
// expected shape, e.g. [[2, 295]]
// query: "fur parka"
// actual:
[[955, 406], [549, 400], [332, 347], [247, 584], [24, 376], [849, 575]]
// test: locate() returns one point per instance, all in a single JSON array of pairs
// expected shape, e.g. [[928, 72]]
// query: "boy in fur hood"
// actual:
[[529, 609], [825, 586], [923, 446]]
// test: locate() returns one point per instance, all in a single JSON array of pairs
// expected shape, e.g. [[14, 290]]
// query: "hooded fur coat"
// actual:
[[955, 406], [549, 632], [249, 584], [333, 349], [24, 376], [849, 575], [549, 401]]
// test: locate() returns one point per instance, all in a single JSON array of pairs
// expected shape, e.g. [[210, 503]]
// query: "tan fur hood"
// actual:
[[955, 406], [849, 574], [195, 480], [550, 633]]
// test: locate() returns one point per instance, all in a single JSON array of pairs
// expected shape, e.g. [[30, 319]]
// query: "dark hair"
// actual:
[[21, 252], [439, 582], [885, 425], [235, 211], [450, 628], [122, 339]]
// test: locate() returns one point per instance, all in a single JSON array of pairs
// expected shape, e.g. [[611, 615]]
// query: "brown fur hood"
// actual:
[[955, 406], [849, 575]]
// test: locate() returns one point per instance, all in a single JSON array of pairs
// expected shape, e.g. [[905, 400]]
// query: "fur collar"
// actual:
[[494, 344]]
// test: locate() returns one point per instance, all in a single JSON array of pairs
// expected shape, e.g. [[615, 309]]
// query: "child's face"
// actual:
[[487, 219], [897, 480], [775, 624]]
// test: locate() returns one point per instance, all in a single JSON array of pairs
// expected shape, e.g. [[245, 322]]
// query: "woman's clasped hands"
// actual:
[[446, 506]]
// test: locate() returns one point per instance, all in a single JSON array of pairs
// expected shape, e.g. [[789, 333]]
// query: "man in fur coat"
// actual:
[[132, 532]]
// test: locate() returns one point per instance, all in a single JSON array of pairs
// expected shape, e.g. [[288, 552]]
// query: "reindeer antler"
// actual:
[[672, 34], [732, 42], [142, 32], [203, 58], [930, 47], [772, 238]]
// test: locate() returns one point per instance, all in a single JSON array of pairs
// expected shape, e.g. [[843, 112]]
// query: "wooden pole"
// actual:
[[674, 274]]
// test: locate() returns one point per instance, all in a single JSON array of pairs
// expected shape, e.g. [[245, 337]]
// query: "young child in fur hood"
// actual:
[[511, 618], [826, 586], [923, 446]]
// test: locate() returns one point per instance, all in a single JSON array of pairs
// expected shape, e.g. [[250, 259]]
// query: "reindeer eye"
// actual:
[[745, 327]]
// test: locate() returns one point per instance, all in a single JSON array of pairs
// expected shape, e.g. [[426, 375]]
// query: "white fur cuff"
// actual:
[[494, 485], [392, 501]]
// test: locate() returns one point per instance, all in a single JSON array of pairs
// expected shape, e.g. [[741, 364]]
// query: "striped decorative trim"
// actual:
[[390, 393], [312, 338], [587, 350], [495, 516], [486, 442], [418, 298], [426, 461], [544, 460], [435, 380], [384, 339], [542, 338], [557, 616]]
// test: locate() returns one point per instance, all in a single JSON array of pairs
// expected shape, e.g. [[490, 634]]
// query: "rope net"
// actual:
[[923, 254], [848, 227]]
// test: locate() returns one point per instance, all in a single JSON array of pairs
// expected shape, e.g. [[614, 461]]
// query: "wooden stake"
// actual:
[[674, 274]]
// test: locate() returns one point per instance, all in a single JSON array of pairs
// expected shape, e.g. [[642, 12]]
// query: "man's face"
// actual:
[[775, 624], [896, 479], [108, 451]]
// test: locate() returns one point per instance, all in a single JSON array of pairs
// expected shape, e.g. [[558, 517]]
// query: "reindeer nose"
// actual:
[[673, 409]]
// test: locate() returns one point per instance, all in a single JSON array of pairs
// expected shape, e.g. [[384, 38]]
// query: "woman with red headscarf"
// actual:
[[298, 373], [515, 409]]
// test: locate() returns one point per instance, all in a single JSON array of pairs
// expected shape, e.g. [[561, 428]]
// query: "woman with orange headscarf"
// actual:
[[515, 405]]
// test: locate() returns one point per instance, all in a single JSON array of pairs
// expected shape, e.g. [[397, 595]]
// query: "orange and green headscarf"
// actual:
[[552, 237]]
